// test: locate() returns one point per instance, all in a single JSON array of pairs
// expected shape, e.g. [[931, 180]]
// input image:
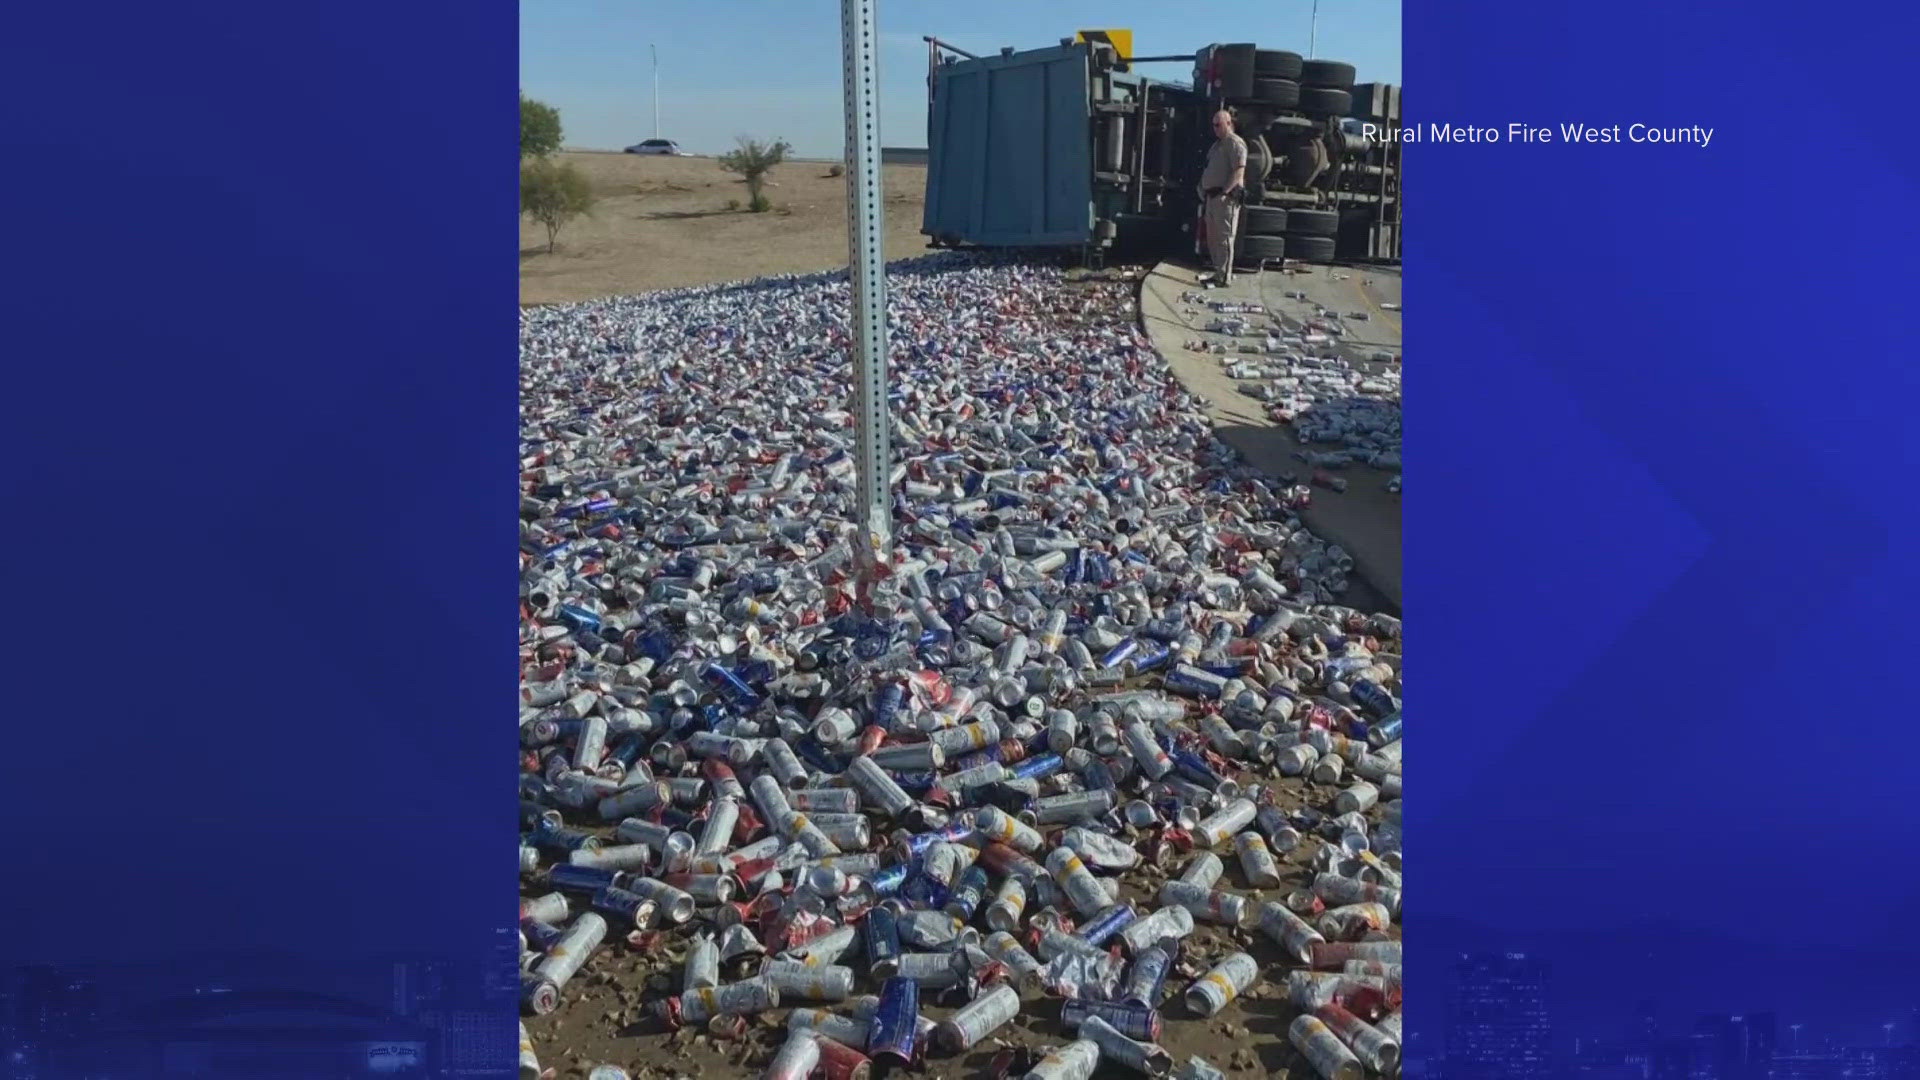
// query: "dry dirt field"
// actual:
[[663, 222]]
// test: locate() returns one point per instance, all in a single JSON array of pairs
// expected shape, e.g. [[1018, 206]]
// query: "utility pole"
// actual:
[[873, 508], [656, 90], [1313, 30]]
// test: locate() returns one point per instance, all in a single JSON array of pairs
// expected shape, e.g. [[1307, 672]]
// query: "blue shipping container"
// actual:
[[1011, 143]]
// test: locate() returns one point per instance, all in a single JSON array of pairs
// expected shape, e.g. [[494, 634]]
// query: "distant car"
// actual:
[[657, 146]]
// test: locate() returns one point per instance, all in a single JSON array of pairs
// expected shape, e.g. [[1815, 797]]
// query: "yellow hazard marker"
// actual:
[[1121, 40]]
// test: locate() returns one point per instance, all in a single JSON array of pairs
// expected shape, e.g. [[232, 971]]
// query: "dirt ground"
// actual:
[[663, 222]]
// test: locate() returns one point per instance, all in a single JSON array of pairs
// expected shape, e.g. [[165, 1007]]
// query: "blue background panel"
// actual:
[[1659, 504], [260, 420]]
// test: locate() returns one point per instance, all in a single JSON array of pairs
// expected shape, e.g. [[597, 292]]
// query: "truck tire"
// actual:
[[1263, 220], [1313, 249], [1276, 63], [1306, 222], [1234, 68], [1285, 129], [1254, 249], [1331, 74], [1321, 101], [1280, 93]]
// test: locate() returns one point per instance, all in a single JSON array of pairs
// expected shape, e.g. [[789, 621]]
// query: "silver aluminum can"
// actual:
[[933, 930], [1357, 798], [1332, 956], [1213, 830], [592, 745], [617, 857], [797, 1057], [1149, 1058], [1289, 931], [1352, 920], [825, 800], [708, 888], [675, 905], [636, 800], [783, 763], [1374, 1049], [843, 831], [1004, 947], [841, 1029], [1197, 1069], [943, 862], [733, 999], [1213, 905], [932, 970], [1335, 889], [703, 964], [877, 787], [1062, 729], [1074, 1061], [673, 848], [717, 834], [1328, 769], [1211, 992], [1323, 1050], [1256, 861], [565, 959], [1073, 806], [1296, 759], [1055, 943], [551, 908], [1142, 933], [769, 798], [978, 1018], [1390, 1027], [1145, 750], [987, 772], [809, 835], [966, 739], [799, 981], [1103, 734], [834, 726], [909, 757], [1082, 889], [826, 948], [1204, 870], [863, 864], [529, 1061], [994, 823], [1009, 902], [1101, 849]]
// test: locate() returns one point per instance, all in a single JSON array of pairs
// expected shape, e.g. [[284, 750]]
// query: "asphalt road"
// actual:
[[1365, 520]]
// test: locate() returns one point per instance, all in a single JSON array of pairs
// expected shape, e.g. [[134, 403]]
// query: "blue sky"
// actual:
[[772, 67]]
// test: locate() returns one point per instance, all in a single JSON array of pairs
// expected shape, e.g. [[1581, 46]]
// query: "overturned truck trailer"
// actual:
[[1067, 147]]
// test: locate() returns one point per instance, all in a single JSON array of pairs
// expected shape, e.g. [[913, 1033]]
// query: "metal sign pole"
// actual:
[[867, 268]]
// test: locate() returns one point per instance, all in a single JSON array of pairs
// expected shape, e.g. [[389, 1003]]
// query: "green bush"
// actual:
[[553, 194], [539, 128], [753, 160]]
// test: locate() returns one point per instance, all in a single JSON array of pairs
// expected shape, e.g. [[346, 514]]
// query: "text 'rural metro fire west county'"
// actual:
[[1617, 134]]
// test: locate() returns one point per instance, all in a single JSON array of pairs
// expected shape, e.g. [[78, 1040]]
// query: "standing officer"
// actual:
[[1222, 184]]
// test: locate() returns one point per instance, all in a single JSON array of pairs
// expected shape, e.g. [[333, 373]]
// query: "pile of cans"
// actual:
[[905, 804]]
